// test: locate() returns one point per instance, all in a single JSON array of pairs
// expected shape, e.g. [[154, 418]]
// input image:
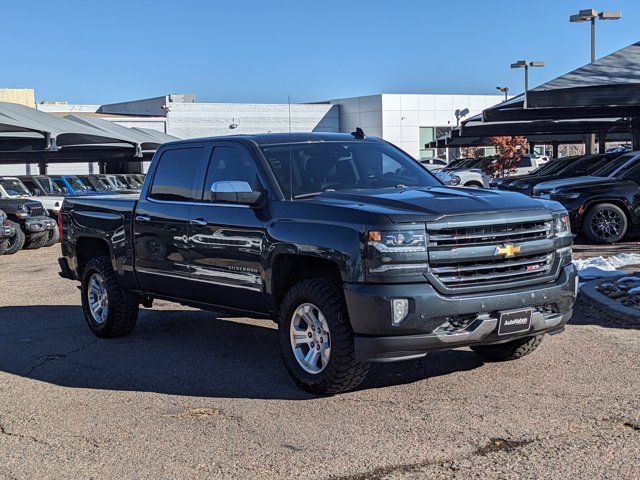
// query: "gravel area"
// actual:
[[191, 395]]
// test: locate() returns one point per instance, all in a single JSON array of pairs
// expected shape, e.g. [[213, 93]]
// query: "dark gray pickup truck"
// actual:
[[356, 251]]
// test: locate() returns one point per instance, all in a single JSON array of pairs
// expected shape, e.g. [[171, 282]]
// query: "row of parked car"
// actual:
[[468, 172], [30, 204], [601, 192]]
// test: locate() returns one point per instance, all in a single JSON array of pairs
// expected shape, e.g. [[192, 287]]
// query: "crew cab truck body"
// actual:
[[355, 250]]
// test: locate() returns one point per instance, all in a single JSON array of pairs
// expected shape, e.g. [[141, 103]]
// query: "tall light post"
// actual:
[[526, 64], [504, 90], [590, 15]]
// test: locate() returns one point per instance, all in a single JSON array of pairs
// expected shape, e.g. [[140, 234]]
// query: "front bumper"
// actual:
[[7, 231], [39, 224], [437, 322]]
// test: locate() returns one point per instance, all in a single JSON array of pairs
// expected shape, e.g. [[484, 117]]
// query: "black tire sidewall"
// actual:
[[53, 238], [16, 242], [589, 217]]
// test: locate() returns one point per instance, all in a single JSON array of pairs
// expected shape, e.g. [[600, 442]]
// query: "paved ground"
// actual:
[[191, 396]]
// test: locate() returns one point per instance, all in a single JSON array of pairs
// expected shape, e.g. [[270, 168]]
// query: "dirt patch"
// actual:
[[501, 445]]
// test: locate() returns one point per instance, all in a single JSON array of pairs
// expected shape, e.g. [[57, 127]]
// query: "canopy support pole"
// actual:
[[602, 142], [635, 133], [554, 149], [42, 167]]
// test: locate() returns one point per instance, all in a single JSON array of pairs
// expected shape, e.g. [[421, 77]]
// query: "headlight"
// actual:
[[565, 196], [562, 225], [22, 212], [400, 241]]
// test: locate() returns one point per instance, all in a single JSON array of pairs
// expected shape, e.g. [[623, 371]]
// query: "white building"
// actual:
[[407, 120]]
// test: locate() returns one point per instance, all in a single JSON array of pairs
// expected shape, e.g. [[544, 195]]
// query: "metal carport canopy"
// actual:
[[18, 121], [608, 87]]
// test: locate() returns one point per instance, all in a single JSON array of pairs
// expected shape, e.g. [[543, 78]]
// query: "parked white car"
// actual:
[[433, 163], [12, 187], [469, 171], [529, 162]]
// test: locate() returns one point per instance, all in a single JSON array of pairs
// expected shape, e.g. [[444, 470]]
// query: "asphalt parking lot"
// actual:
[[190, 395]]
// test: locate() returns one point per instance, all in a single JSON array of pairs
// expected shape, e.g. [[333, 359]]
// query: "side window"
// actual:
[[173, 179], [525, 162], [231, 164], [30, 184]]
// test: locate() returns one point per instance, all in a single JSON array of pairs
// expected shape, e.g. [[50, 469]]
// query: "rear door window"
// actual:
[[175, 174]]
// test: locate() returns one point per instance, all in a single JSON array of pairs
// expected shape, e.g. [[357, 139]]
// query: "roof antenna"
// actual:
[[358, 134], [290, 153]]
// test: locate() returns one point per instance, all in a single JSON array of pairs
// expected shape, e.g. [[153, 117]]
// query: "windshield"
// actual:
[[587, 165], [554, 166], [48, 187], [14, 187], [117, 183], [321, 166], [609, 168], [77, 184]]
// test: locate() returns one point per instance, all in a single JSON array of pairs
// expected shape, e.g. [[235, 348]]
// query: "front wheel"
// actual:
[[510, 350], [17, 241], [37, 242], [4, 244], [53, 238], [316, 339], [109, 311], [605, 223]]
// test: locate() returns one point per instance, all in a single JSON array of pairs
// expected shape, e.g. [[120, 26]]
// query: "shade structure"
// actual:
[[142, 139], [24, 125], [606, 88]]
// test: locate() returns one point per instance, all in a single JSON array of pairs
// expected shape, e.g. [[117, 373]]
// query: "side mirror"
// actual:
[[235, 192]]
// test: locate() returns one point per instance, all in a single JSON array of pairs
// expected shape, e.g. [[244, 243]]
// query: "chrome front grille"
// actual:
[[494, 272], [490, 234]]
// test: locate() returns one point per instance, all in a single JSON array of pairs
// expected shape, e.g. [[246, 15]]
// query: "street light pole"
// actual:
[[590, 15], [504, 90], [526, 64]]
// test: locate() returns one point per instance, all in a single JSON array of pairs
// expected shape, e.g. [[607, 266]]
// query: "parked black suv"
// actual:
[[604, 206], [354, 249], [555, 170], [33, 225]]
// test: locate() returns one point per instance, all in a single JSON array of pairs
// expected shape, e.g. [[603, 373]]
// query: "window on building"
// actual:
[[173, 179], [427, 134]]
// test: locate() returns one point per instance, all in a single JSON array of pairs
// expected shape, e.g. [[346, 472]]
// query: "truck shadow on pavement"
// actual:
[[177, 352]]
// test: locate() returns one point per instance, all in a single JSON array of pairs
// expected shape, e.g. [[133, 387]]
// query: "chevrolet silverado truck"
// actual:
[[355, 250]]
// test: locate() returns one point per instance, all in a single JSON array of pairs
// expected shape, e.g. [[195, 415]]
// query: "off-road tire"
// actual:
[[17, 241], [123, 308], [510, 350], [37, 243], [4, 244], [53, 238], [593, 236], [342, 372]]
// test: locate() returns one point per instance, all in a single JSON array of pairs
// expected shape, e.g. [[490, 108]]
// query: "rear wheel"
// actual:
[[510, 350], [17, 241], [316, 339], [605, 223], [109, 311]]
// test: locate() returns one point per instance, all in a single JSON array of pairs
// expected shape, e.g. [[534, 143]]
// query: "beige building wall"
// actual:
[[23, 96]]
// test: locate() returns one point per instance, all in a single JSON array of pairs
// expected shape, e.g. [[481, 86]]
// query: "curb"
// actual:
[[611, 308]]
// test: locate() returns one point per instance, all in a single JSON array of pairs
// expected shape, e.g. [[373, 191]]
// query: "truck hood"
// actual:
[[430, 203], [570, 182]]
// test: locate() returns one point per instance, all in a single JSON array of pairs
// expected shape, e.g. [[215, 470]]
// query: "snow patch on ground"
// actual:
[[601, 267]]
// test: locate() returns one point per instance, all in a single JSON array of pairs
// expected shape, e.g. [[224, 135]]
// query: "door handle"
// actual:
[[143, 218], [198, 222]]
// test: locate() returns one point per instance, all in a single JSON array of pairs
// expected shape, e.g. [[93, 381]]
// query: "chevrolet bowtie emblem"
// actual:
[[508, 250]]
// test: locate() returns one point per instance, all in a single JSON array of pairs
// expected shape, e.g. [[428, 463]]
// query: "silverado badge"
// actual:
[[508, 250]]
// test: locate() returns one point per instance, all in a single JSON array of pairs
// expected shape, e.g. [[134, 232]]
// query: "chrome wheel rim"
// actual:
[[310, 338], [606, 223], [98, 299]]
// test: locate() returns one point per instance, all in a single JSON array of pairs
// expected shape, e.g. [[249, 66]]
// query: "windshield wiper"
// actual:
[[304, 195]]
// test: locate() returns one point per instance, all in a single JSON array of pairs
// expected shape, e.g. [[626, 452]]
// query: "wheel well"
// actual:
[[289, 269], [473, 182], [88, 248]]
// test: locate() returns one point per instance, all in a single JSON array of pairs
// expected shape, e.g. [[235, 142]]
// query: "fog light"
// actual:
[[399, 310]]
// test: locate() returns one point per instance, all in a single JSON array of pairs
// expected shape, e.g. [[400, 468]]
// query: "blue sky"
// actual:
[[261, 51]]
